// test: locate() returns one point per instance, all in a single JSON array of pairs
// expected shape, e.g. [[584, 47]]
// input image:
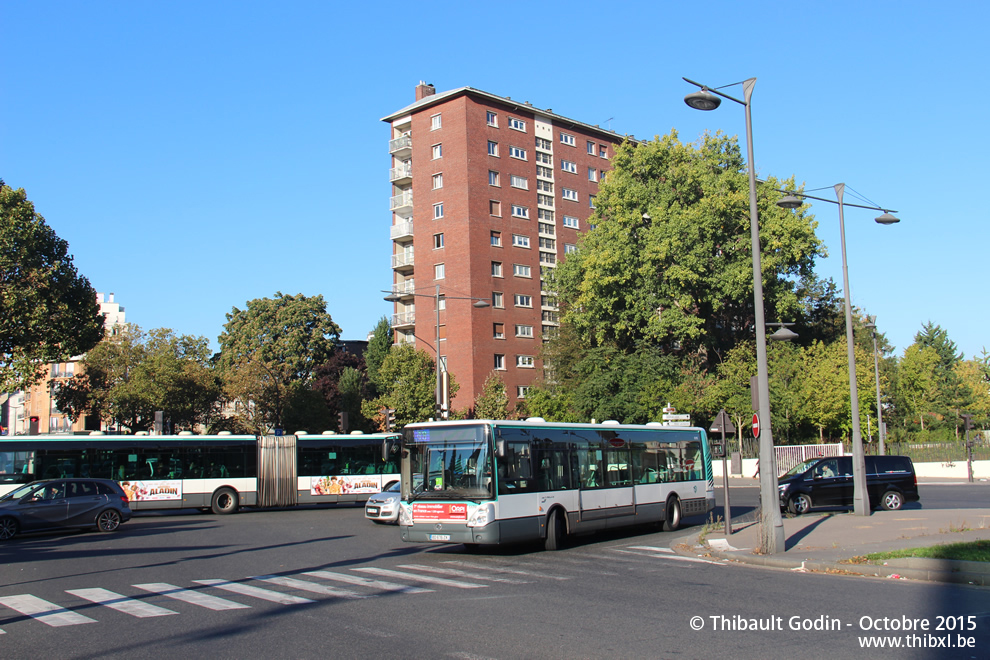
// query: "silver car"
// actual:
[[383, 507]]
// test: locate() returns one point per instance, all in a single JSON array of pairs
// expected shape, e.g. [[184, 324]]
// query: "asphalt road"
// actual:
[[326, 583]]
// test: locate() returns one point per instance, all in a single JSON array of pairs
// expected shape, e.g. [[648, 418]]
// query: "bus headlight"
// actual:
[[482, 516], [405, 514]]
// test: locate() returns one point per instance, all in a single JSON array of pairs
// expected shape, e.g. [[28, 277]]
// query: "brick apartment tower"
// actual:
[[487, 193]]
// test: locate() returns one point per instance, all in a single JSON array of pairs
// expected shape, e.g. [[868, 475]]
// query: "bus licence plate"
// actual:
[[439, 537]]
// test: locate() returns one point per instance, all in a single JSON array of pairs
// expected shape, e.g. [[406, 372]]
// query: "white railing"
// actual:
[[401, 200], [400, 143], [403, 318], [402, 259], [790, 455], [408, 286], [401, 229], [402, 172]]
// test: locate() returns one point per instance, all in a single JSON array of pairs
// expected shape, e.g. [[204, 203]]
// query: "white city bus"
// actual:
[[217, 472], [488, 482]]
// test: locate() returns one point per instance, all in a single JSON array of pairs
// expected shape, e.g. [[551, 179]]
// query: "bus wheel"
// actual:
[[224, 501], [555, 531], [672, 521]]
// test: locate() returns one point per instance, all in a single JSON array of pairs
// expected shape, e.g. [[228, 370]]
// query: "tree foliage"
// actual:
[[48, 311], [268, 347], [493, 402], [378, 347], [408, 381]]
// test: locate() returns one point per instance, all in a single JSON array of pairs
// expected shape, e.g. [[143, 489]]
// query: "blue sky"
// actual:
[[200, 155]]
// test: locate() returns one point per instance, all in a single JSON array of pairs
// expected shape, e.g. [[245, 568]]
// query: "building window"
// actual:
[[524, 361], [546, 229], [568, 194], [545, 172], [438, 211], [544, 186], [546, 214], [492, 119], [524, 331], [495, 208], [591, 147], [435, 122], [547, 301], [496, 269], [568, 166], [570, 221], [441, 303], [516, 152], [569, 248], [493, 178], [438, 180], [522, 391], [437, 241], [438, 272], [602, 151], [437, 151], [519, 182], [548, 258], [567, 139], [498, 301], [548, 244], [517, 124], [523, 301], [518, 240], [546, 159], [520, 211], [521, 270], [591, 201], [498, 330], [496, 239], [499, 362], [543, 144], [592, 174], [549, 316], [493, 148], [544, 200]]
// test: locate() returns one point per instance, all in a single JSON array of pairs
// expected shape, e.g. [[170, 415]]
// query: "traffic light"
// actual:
[[390, 419], [342, 422]]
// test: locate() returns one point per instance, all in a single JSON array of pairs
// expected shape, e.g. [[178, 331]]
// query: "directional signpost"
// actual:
[[723, 424]]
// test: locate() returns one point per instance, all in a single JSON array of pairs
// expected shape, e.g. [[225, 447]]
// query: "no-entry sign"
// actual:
[[756, 425]]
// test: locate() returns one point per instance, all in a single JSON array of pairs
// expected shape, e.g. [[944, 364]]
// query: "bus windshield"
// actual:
[[450, 462]]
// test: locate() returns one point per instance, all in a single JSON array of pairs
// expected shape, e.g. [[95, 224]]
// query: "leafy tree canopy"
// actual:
[[493, 402], [48, 311], [408, 379]]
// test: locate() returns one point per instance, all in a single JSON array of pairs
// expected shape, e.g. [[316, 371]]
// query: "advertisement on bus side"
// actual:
[[345, 485], [149, 491]]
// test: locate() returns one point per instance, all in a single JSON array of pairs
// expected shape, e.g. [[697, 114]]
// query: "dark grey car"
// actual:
[[63, 504]]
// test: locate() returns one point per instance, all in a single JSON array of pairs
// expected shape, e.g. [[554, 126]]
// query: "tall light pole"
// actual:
[[771, 524], [442, 410], [882, 434], [861, 499]]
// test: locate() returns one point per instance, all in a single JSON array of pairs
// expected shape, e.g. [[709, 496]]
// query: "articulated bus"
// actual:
[[211, 472], [488, 482]]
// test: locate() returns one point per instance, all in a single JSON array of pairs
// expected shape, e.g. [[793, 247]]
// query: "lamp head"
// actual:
[[703, 100], [888, 219], [392, 298], [790, 202], [783, 334], [482, 304]]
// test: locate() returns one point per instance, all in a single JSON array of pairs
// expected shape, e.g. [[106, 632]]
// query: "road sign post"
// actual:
[[722, 424]]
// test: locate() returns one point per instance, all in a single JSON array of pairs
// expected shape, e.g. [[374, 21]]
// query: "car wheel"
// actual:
[[108, 521], [672, 521], [555, 531], [8, 528], [224, 502], [892, 500], [800, 504]]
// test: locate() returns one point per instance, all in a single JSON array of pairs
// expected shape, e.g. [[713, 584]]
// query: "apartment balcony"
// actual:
[[405, 339], [401, 147], [401, 230], [402, 203], [403, 261], [400, 175], [404, 320], [405, 289]]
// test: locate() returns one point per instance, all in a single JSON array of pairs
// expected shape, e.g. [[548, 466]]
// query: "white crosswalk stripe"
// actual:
[[379, 585], [651, 549], [663, 555], [458, 573], [121, 603], [192, 597], [255, 592], [48, 613], [420, 578], [304, 585], [509, 571]]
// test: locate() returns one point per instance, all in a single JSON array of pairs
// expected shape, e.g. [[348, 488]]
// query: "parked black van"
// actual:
[[828, 481]]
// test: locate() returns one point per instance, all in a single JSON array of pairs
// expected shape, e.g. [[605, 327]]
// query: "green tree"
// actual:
[[378, 348], [408, 379], [682, 278], [272, 344], [918, 382], [731, 389], [493, 401], [824, 392], [48, 311]]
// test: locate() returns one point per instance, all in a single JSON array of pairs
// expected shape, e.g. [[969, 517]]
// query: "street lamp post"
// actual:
[[393, 297], [861, 500], [771, 524], [881, 433]]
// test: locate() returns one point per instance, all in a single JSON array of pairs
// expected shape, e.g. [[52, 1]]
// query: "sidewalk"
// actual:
[[822, 540]]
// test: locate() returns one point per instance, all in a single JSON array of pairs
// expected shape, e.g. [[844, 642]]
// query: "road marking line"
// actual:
[[421, 578], [458, 573], [48, 613], [120, 603], [255, 592], [303, 585], [511, 571], [698, 560], [651, 548], [191, 597], [367, 582]]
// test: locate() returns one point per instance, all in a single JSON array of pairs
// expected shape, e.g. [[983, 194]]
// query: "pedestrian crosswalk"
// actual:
[[350, 584]]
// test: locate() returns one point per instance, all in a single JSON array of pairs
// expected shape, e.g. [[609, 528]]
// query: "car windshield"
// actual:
[[450, 462], [800, 467], [18, 493]]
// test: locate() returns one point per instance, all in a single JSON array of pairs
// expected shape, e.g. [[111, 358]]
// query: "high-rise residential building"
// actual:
[[487, 194]]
